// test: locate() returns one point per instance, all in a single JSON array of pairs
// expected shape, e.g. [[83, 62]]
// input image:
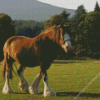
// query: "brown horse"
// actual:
[[39, 51]]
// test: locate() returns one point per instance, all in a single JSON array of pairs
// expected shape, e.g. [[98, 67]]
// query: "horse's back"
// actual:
[[16, 42]]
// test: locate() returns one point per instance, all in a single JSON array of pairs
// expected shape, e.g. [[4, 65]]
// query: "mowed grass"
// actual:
[[67, 78]]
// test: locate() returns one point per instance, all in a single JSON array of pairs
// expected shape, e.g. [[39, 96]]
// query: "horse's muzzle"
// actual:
[[69, 48]]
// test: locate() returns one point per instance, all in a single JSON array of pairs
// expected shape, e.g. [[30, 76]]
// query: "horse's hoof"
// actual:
[[24, 86], [7, 91], [50, 94], [33, 90]]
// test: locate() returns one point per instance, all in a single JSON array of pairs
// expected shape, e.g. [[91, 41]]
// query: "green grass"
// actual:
[[66, 78]]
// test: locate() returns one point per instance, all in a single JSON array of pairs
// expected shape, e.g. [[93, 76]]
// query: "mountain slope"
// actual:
[[34, 10]]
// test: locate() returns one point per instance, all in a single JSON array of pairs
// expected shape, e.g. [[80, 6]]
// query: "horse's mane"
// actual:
[[57, 34], [53, 33]]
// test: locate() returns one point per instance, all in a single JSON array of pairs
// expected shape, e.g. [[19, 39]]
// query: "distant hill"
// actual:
[[37, 11], [45, 11]]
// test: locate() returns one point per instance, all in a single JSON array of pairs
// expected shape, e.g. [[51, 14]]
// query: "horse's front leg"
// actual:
[[47, 90], [23, 84], [33, 89]]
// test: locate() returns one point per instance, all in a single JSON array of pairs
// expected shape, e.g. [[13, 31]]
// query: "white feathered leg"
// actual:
[[33, 89], [7, 89], [47, 90], [23, 84]]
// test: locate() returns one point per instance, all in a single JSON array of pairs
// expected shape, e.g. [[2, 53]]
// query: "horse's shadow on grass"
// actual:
[[20, 93], [62, 62], [74, 94]]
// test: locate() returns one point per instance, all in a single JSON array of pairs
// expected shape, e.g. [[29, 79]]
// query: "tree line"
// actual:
[[28, 28]]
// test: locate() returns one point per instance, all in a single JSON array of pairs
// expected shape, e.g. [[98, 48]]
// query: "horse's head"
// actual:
[[60, 36], [65, 40]]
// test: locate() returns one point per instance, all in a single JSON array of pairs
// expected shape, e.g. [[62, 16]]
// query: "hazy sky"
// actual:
[[73, 4]]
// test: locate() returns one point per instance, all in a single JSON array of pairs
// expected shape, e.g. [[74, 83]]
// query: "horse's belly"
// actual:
[[29, 61]]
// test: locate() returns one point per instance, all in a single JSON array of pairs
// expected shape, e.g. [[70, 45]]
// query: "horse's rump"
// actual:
[[20, 49]]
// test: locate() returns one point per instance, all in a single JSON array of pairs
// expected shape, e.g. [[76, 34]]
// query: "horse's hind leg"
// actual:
[[23, 84], [7, 74], [33, 89]]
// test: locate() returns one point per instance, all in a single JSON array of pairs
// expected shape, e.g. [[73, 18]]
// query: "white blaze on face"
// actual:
[[67, 39], [67, 45]]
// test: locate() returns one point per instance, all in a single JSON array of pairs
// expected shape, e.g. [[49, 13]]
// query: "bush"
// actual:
[[7, 30]]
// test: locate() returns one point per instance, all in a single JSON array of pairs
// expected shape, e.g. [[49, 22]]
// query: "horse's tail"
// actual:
[[7, 66], [4, 68], [8, 61]]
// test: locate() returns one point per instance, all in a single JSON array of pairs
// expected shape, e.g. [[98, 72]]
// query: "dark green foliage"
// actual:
[[87, 35], [76, 19], [76, 36], [97, 8], [7, 30], [56, 19], [85, 28], [89, 29], [64, 15], [28, 28]]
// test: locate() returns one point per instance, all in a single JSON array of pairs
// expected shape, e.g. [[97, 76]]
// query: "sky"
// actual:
[[73, 4]]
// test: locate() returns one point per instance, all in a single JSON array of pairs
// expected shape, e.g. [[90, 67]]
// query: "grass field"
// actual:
[[66, 78]]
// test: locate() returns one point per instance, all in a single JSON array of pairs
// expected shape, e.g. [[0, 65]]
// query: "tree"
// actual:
[[64, 15], [7, 29], [56, 20], [76, 19], [74, 27], [89, 28], [97, 8]]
